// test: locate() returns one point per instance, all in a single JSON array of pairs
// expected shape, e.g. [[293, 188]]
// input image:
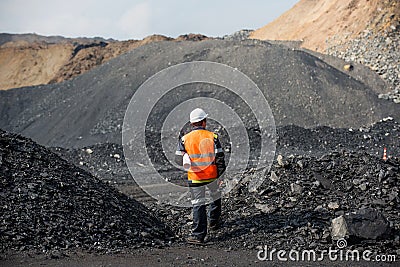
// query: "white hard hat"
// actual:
[[197, 115]]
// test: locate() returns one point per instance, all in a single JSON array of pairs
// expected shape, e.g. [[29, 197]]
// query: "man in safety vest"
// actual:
[[207, 163]]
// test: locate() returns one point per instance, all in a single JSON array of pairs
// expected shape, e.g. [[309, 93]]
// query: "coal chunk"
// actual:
[[362, 224]]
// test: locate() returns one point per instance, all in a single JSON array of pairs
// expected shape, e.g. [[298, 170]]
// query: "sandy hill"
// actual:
[[362, 31], [315, 22], [29, 59]]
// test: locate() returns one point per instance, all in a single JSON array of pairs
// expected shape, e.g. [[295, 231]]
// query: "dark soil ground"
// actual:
[[180, 255]]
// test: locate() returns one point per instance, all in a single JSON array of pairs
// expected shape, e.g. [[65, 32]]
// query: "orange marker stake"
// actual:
[[384, 154]]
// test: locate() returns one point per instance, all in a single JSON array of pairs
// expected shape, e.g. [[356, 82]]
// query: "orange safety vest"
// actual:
[[199, 144]]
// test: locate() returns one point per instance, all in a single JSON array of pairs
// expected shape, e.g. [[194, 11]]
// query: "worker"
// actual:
[[207, 164]]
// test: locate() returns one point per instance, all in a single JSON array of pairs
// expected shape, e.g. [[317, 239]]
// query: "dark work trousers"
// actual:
[[197, 191]]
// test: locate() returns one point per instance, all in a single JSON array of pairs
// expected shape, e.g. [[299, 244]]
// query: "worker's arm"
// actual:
[[219, 156], [180, 150]]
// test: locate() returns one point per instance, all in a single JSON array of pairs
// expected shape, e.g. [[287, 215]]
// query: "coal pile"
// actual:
[[107, 163], [48, 204], [301, 195], [104, 161], [318, 141], [301, 89]]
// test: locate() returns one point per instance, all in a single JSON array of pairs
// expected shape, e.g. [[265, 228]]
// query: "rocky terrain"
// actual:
[[318, 175], [314, 179], [361, 31], [295, 206], [384, 61], [68, 196], [341, 20]]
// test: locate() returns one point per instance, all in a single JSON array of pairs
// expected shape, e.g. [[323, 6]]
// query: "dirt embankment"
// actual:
[[23, 64], [314, 22], [29, 61]]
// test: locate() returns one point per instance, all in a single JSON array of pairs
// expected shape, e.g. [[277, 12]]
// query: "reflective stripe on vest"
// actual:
[[199, 144]]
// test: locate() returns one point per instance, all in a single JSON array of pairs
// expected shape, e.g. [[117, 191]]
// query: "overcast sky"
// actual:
[[136, 19]]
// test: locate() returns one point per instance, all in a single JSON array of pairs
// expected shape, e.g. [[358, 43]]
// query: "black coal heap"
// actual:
[[48, 204]]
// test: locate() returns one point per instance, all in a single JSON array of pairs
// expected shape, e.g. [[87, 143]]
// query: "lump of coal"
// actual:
[[363, 224]]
